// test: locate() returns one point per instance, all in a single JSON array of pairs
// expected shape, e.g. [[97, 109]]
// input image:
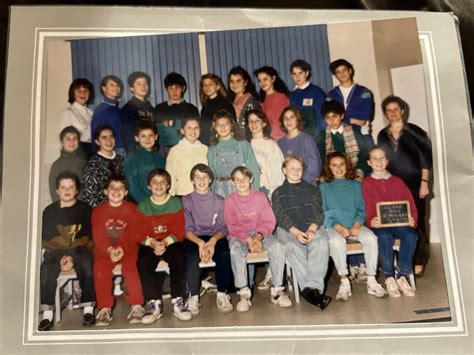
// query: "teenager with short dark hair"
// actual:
[[138, 109], [81, 92], [101, 166], [206, 239], [165, 214], [357, 100], [66, 238], [69, 160], [142, 160], [307, 97], [341, 137], [117, 227], [108, 112], [170, 113]]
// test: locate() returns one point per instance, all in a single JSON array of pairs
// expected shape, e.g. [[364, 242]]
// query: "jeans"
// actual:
[[408, 238], [239, 250], [310, 261], [337, 248]]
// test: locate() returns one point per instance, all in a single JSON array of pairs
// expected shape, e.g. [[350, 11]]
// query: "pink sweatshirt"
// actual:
[[250, 214]]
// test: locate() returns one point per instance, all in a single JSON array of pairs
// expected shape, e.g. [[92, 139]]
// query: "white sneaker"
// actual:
[[362, 274], [353, 272], [279, 297], [103, 317], [136, 314], [374, 288], [193, 305], [179, 309], [344, 290], [206, 285], [405, 287], [153, 312], [244, 303], [223, 302], [392, 287], [266, 283]]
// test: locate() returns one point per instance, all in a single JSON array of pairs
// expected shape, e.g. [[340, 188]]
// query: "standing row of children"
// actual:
[[309, 228]]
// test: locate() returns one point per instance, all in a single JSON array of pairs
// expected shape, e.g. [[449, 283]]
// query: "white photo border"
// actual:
[[457, 327]]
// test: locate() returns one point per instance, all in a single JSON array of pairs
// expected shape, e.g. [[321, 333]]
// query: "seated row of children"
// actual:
[[310, 226]]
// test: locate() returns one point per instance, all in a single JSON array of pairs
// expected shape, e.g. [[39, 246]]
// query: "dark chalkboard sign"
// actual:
[[394, 213]]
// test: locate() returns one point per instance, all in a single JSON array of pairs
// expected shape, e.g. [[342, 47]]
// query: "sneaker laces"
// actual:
[[103, 313], [179, 304], [136, 312], [150, 307]]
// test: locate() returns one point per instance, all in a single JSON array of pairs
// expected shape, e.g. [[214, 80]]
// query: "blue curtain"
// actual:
[[276, 47], [156, 55]]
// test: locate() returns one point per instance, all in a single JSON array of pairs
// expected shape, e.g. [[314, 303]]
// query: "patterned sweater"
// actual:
[[96, 173]]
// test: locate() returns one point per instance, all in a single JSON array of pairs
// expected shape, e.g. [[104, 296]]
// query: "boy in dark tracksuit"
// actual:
[[66, 238]]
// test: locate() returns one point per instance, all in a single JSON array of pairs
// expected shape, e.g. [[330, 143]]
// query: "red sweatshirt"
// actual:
[[118, 226], [385, 190]]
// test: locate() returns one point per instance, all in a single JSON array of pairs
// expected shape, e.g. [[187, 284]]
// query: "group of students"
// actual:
[[198, 203]]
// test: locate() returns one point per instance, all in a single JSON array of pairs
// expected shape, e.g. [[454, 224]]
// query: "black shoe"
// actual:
[[88, 319], [45, 325], [308, 295], [312, 296], [322, 301]]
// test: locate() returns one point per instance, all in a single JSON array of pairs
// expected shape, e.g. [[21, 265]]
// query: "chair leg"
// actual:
[[291, 272], [411, 277], [57, 301]]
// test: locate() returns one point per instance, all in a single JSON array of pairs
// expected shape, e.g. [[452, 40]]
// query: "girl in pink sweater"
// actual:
[[250, 221]]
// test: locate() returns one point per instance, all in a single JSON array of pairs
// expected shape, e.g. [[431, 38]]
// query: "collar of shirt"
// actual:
[[80, 108], [385, 177], [187, 143], [339, 130], [174, 103], [105, 156], [302, 87]]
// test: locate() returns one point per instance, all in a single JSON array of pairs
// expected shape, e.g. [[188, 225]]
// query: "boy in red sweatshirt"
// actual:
[[117, 228]]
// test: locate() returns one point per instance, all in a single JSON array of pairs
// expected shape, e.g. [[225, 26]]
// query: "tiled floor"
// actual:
[[430, 303]]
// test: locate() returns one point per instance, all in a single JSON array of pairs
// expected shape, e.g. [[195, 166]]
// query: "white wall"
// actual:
[[59, 77], [354, 42]]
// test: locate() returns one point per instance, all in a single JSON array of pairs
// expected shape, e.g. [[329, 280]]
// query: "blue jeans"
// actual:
[[238, 253], [408, 238], [310, 261], [337, 248]]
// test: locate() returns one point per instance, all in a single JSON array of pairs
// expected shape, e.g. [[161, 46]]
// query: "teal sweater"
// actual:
[[342, 203], [137, 166]]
